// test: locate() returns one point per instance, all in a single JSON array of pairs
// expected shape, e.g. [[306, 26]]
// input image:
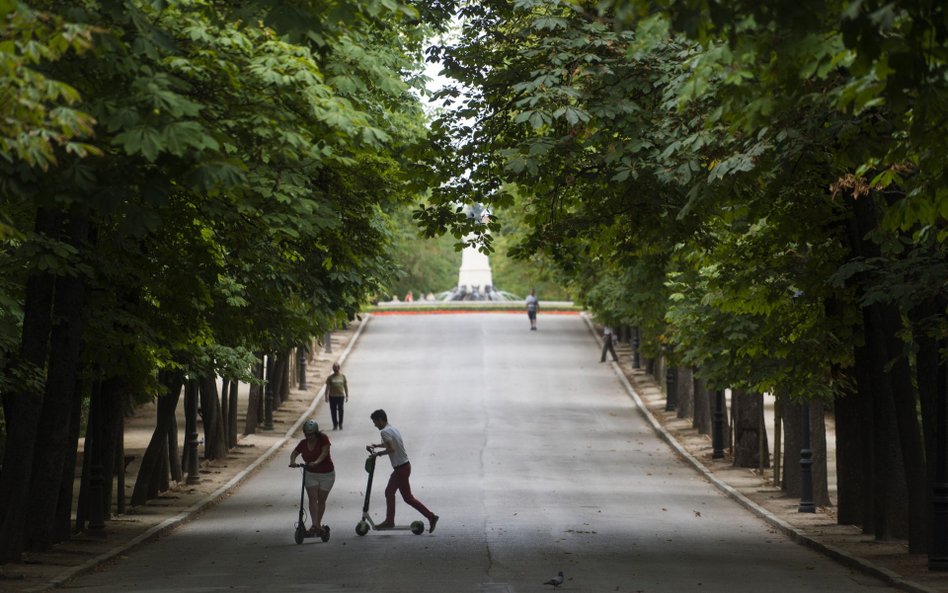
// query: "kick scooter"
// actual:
[[416, 527], [301, 532]]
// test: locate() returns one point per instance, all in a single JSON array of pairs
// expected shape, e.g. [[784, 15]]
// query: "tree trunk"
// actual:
[[747, 409], [905, 400], [256, 399], [685, 386], [889, 487], [93, 511], [215, 445], [114, 395], [928, 368], [157, 461], [106, 418], [21, 409], [119, 460], [853, 413], [232, 415], [225, 410], [285, 359], [62, 526], [702, 407], [897, 454], [52, 451]]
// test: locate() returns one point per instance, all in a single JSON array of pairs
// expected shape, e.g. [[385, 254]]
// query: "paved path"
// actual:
[[537, 460]]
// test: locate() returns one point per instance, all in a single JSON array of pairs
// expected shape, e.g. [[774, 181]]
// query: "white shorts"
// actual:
[[323, 481]]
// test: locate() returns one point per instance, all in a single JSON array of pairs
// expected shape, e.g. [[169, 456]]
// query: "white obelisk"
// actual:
[[475, 270]]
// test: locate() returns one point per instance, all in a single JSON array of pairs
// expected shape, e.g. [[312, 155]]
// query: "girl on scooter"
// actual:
[[320, 472]]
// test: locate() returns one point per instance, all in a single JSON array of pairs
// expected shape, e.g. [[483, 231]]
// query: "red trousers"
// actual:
[[398, 481]]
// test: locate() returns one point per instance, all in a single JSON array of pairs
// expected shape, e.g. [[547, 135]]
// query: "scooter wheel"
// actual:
[[299, 534], [325, 535], [417, 527], [362, 528]]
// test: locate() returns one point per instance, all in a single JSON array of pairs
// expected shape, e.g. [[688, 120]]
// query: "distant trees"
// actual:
[[759, 185]]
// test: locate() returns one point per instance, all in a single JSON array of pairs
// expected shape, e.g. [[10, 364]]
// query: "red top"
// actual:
[[310, 455]]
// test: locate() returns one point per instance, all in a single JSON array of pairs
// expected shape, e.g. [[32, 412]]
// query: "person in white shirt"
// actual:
[[393, 446], [533, 305], [607, 345]]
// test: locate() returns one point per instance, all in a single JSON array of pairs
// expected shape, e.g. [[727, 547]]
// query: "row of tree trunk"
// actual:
[[888, 432], [44, 428]]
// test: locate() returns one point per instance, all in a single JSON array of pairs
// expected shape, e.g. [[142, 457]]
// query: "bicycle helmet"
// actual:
[[310, 426]]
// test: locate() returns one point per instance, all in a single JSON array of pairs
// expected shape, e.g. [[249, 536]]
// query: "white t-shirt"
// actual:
[[532, 303], [390, 434]]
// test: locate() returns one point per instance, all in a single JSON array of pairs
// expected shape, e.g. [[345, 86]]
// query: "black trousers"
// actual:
[[336, 406], [608, 347]]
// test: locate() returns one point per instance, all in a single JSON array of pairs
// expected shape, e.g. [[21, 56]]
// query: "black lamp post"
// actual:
[[806, 452], [671, 380], [635, 347], [328, 339], [806, 463], [717, 426], [301, 366]]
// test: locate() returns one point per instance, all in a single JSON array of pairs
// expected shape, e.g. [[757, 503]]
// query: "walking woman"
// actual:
[[337, 394]]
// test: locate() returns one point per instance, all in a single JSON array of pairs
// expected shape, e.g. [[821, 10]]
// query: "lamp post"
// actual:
[[717, 426], [671, 380], [806, 463], [328, 341], [635, 347], [301, 365], [806, 452]]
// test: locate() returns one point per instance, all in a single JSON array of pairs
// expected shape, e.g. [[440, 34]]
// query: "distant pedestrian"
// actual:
[[607, 345], [320, 473], [337, 394], [393, 446], [533, 305]]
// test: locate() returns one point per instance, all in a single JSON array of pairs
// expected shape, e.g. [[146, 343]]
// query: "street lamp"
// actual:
[[635, 347], [717, 426], [301, 365], [806, 453], [806, 463]]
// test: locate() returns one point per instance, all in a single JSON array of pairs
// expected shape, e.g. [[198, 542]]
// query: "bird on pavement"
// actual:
[[556, 581]]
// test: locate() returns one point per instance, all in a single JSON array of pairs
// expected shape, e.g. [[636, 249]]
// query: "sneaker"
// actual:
[[433, 523], [313, 530], [385, 525]]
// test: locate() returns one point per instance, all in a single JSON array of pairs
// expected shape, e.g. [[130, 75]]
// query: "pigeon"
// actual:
[[556, 581]]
